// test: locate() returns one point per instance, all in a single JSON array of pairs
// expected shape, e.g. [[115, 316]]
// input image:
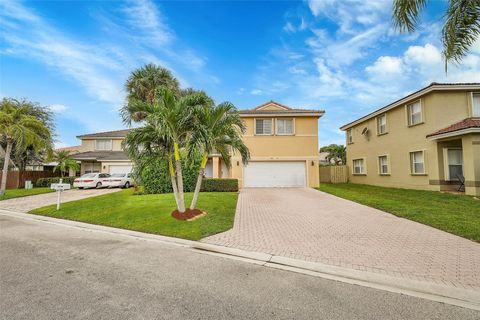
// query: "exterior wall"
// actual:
[[302, 146], [89, 145], [440, 109], [471, 151]]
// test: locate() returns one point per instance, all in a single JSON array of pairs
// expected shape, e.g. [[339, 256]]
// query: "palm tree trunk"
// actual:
[[181, 199], [199, 181], [174, 182], [178, 167], [6, 161]]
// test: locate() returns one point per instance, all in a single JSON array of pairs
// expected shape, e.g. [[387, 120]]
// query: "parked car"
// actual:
[[91, 180], [119, 180]]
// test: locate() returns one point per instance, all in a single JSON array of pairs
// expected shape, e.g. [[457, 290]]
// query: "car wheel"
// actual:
[[127, 185], [99, 185]]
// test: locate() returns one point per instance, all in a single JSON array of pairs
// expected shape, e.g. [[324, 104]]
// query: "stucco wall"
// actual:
[[89, 145], [440, 109]]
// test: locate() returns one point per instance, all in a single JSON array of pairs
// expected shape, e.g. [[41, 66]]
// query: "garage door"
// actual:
[[120, 169], [275, 174]]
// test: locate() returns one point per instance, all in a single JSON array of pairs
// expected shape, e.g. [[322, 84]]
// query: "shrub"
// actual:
[[219, 185], [46, 182]]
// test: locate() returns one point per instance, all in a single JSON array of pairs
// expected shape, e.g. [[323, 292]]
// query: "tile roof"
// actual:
[[107, 134], [286, 110], [464, 124], [101, 155]]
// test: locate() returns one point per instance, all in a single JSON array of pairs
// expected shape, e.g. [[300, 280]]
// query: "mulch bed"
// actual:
[[188, 215]]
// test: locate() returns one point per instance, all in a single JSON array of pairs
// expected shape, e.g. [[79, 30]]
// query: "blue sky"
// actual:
[[341, 56]]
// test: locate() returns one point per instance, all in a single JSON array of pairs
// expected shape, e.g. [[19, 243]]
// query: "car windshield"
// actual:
[[89, 175], [118, 175]]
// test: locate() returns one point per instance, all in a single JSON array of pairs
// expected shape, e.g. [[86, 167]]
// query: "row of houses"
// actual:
[[429, 139]]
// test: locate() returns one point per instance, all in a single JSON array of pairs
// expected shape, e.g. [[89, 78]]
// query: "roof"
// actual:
[[467, 123], [73, 149], [279, 109], [106, 134], [101, 155], [434, 86]]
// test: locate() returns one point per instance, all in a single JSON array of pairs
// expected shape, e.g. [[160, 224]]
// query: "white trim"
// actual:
[[386, 126], [424, 156], [446, 164], [349, 141], [364, 167], [472, 103], [454, 133], [388, 165], [409, 98], [408, 108]]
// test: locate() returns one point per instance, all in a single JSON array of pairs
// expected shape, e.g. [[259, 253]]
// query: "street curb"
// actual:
[[451, 295]]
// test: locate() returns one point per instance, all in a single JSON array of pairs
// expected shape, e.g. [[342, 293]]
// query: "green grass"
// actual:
[[150, 213], [16, 193], [457, 214]]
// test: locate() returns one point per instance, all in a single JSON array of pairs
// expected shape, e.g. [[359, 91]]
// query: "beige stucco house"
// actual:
[[283, 144], [429, 140]]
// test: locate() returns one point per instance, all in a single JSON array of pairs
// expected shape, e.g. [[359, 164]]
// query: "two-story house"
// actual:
[[283, 144], [429, 140]]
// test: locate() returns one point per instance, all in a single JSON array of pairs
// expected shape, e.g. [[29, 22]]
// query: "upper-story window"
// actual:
[[476, 104], [263, 126], [382, 124], [103, 144], [284, 126], [414, 113], [349, 136]]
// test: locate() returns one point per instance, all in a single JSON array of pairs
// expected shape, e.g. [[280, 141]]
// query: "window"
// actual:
[[476, 104], [263, 126], [383, 165], [382, 124], [349, 136], [417, 162], [103, 144], [103, 175], [358, 166], [284, 126], [414, 113], [455, 163]]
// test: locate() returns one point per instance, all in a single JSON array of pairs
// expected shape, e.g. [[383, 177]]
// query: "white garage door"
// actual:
[[120, 169], [275, 174]]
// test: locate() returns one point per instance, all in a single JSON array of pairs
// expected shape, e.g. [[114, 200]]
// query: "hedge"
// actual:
[[219, 185], [46, 182]]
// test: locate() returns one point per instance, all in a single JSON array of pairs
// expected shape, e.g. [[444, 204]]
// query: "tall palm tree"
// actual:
[[19, 128], [144, 82], [168, 124], [218, 129], [64, 162], [461, 28]]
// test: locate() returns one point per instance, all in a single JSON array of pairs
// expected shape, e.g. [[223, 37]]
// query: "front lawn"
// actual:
[[16, 193], [150, 213], [457, 214]]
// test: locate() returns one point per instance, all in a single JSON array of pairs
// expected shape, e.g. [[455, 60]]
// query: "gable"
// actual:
[[273, 106]]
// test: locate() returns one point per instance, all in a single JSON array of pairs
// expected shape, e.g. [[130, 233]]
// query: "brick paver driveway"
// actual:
[[25, 204], [315, 226]]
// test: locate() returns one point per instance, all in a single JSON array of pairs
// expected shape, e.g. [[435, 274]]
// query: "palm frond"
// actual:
[[406, 13]]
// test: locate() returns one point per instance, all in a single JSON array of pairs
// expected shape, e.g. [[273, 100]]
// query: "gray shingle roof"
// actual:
[[101, 155], [107, 134]]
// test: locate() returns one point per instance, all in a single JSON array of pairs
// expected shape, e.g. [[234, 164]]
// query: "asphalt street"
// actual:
[[50, 271]]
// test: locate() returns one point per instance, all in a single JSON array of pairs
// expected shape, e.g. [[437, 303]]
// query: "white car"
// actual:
[[119, 180], [91, 180]]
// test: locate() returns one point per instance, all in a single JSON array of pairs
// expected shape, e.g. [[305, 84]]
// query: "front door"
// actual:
[[455, 164]]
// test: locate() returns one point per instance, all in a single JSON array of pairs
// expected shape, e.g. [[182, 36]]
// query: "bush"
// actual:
[[46, 182], [219, 185]]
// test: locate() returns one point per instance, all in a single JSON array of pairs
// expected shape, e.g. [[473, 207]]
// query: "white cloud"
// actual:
[[386, 65], [289, 27], [428, 54], [58, 108], [256, 92]]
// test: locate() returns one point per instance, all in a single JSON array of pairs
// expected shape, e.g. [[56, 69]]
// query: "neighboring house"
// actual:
[[322, 158], [282, 141], [427, 140]]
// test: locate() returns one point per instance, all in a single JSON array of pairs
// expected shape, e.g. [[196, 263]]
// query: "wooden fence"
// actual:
[[334, 174], [16, 179]]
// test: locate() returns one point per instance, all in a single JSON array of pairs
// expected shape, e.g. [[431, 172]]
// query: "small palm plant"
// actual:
[[19, 128], [219, 129], [64, 162]]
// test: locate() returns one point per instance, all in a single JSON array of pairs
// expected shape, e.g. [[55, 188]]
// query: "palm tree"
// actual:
[[143, 83], [19, 128], [461, 28], [218, 129], [336, 152], [168, 124], [64, 162]]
